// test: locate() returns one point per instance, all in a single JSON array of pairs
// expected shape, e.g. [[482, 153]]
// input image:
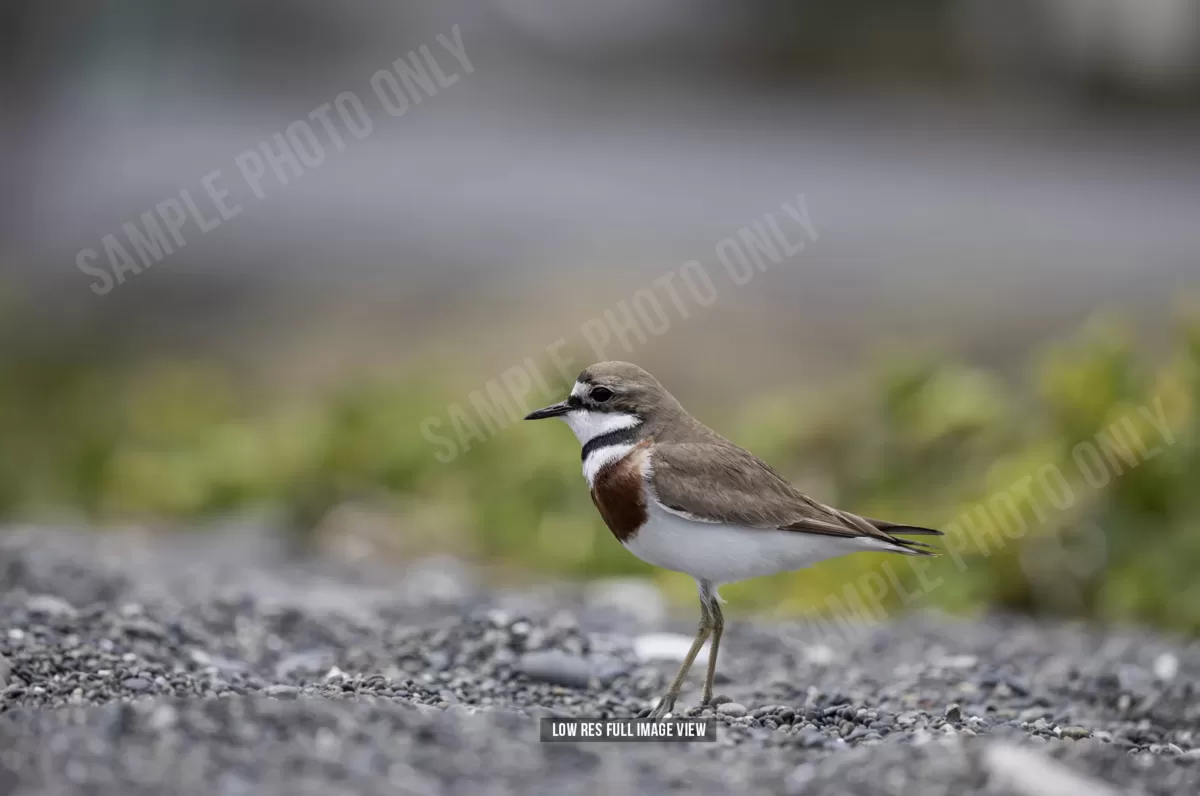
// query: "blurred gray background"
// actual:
[[982, 172]]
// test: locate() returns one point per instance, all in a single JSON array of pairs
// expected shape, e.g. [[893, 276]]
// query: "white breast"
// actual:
[[721, 553], [600, 458]]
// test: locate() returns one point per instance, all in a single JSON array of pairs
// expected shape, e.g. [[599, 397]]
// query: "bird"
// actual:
[[680, 496]]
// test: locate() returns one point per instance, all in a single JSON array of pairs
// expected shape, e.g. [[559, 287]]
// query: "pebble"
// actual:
[[819, 654], [557, 667], [49, 605], [813, 738], [1166, 666], [608, 668], [731, 709]]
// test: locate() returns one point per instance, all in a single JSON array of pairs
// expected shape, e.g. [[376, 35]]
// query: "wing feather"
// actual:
[[720, 482]]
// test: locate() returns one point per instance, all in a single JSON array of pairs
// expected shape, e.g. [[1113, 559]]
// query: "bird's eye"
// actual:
[[601, 394]]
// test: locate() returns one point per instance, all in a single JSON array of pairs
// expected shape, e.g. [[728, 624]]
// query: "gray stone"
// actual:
[[732, 709], [49, 605], [557, 667], [608, 668], [137, 684], [813, 738], [1166, 666]]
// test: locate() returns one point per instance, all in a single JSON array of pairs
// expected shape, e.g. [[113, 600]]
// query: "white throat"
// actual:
[[589, 425]]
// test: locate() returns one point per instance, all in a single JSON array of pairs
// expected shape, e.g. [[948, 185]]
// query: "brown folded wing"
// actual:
[[720, 482]]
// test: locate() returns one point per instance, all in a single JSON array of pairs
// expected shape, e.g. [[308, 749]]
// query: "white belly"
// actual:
[[721, 553]]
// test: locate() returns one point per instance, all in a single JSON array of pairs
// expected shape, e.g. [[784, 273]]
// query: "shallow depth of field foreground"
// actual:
[[169, 667]]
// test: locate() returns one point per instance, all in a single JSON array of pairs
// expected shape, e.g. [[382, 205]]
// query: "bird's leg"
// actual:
[[667, 703], [718, 626]]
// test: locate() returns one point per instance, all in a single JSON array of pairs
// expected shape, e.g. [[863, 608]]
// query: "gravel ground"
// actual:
[[195, 667]]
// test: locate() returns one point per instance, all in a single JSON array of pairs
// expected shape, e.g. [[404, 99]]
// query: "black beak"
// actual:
[[553, 410]]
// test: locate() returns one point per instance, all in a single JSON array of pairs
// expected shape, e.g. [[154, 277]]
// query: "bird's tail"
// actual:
[[895, 532]]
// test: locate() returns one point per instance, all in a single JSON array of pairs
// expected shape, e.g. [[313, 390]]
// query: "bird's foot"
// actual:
[[664, 707], [711, 701]]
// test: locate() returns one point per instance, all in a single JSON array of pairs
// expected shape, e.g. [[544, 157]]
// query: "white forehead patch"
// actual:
[[579, 389], [588, 425]]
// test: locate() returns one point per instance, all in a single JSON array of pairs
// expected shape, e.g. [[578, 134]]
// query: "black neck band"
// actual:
[[622, 436]]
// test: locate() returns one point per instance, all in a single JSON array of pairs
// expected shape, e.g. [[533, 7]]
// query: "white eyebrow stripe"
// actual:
[[579, 389]]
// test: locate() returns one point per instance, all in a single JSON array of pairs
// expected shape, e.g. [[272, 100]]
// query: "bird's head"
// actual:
[[610, 396]]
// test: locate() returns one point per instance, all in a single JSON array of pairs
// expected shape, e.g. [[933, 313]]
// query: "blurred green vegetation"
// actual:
[[1076, 493]]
